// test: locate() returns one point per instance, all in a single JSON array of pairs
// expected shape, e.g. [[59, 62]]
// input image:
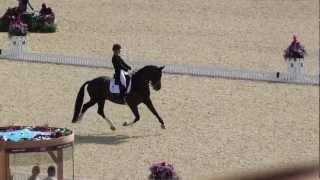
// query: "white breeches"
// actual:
[[123, 78]]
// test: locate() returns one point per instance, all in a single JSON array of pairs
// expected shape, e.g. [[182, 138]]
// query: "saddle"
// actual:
[[115, 89]]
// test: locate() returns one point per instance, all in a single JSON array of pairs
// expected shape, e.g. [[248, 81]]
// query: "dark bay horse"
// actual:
[[98, 90]]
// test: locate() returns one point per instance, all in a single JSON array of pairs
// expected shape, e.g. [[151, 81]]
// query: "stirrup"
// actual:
[[123, 97]]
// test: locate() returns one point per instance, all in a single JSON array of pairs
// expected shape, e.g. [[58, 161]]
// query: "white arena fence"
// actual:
[[240, 74], [17, 50]]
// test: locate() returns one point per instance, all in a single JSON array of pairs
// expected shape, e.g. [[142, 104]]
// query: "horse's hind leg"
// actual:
[[101, 112], [86, 106]]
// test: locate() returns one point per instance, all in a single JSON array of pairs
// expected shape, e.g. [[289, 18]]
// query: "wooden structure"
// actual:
[[54, 147]]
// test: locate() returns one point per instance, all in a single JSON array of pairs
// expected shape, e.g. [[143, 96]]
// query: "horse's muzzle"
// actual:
[[157, 86]]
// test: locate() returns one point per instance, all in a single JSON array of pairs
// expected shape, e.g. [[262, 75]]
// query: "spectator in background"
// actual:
[[23, 4], [46, 14], [43, 9], [35, 173], [51, 173]]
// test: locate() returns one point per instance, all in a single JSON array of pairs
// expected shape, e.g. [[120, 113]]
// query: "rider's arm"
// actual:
[[124, 65]]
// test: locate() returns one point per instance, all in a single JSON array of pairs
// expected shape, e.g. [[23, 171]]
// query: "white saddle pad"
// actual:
[[114, 88]]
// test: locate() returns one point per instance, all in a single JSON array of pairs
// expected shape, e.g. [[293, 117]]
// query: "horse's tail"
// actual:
[[78, 104]]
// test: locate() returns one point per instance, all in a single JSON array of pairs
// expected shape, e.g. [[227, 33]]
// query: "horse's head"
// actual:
[[152, 74], [156, 78]]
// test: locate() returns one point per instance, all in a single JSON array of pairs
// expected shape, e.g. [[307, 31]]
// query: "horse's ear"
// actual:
[[162, 67]]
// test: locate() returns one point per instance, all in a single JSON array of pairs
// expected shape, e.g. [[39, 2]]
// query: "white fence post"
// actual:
[[18, 45]]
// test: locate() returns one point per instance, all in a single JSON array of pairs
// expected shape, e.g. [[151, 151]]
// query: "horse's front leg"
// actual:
[[134, 109], [149, 104]]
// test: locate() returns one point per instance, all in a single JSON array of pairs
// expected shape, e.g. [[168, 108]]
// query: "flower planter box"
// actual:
[[46, 139]]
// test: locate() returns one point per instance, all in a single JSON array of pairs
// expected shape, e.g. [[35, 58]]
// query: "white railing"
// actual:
[[97, 62]]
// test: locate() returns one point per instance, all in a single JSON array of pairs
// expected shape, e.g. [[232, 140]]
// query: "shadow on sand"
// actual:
[[107, 139]]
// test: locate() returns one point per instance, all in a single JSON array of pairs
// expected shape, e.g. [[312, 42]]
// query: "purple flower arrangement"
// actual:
[[163, 171], [295, 50], [17, 27]]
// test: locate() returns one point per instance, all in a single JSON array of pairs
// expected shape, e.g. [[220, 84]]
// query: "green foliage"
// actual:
[[3, 26], [33, 25], [48, 28], [36, 25]]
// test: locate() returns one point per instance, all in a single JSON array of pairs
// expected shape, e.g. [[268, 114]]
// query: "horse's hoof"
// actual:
[[163, 127], [80, 117], [112, 128], [125, 124]]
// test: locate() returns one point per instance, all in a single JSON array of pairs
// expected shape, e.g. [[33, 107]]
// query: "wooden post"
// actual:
[[53, 157], [60, 164], [4, 165]]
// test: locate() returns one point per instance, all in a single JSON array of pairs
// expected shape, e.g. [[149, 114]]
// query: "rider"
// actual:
[[119, 66]]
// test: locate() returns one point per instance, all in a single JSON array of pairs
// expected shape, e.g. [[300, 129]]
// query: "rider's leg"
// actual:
[[123, 78], [122, 91], [122, 84]]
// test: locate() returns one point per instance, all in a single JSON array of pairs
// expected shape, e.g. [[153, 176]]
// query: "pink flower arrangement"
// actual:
[[17, 27]]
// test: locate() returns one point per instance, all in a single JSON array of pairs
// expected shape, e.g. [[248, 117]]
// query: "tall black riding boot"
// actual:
[[122, 93]]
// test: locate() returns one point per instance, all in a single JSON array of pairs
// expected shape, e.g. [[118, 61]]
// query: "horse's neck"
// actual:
[[139, 79]]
